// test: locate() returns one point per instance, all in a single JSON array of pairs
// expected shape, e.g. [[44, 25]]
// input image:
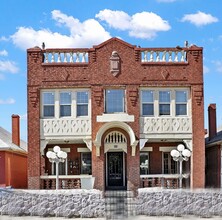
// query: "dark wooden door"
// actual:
[[115, 169]]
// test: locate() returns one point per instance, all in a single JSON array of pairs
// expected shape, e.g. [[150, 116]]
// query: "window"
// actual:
[[86, 163], [169, 165], [114, 100], [181, 102], [82, 103], [144, 163], [65, 104], [48, 104], [164, 102], [147, 102], [62, 168]]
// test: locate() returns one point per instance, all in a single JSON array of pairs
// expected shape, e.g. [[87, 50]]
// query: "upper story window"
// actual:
[[147, 102], [62, 103], [115, 100], [167, 102], [181, 102], [164, 102], [82, 103], [65, 104], [48, 104]]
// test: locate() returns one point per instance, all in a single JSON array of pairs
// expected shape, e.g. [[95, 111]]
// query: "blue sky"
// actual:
[[73, 23]]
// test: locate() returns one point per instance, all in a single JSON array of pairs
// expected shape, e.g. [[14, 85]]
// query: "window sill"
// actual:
[[123, 117]]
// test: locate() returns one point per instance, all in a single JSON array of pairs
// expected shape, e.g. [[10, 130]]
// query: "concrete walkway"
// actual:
[[131, 218]]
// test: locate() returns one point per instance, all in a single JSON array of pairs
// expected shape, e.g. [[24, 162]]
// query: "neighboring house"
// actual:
[[117, 110], [213, 150], [13, 157]]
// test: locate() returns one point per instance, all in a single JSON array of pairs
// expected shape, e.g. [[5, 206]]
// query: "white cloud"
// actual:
[[147, 24], [23, 117], [206, 69], [8, 66], [3, 38], [9, 101], [83, 34], [116, 19], [140, 25], [218, 65], [3, 53], [199, 19]]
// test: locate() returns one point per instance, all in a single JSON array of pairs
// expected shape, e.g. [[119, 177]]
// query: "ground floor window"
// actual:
[[63, 169], [169, 165], [86, 163], [144, 163]]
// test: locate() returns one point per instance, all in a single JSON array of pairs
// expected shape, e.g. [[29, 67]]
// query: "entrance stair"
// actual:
[[119, 204]]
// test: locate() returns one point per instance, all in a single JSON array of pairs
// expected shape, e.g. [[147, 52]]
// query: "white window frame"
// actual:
[[82, 103], [172, 91], [142, 103], [65, 104], [73, 92], [42, 104], [165, 103], [181, 103]]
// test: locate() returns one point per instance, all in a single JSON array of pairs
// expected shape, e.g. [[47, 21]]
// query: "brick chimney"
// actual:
[[16, 130], [212, 120]]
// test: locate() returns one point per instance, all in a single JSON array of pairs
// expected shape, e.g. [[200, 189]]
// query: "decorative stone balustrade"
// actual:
[[65, 56], [65, 127], [63, 184], [182, 125], [164, 181], [168, 55], [67, 182]]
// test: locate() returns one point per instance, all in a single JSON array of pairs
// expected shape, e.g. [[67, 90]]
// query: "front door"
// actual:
[[115, 170]]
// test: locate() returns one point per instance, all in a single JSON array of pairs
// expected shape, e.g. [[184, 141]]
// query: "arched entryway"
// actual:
[[115, 146]]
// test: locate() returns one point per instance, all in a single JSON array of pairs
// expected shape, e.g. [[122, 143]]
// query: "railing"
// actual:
[[66, 56], [163, 55], [57, 127], [169, 181], [67, 182], [182, 125]]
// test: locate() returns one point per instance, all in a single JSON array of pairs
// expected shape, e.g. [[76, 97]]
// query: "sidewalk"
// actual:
[[130, 218]]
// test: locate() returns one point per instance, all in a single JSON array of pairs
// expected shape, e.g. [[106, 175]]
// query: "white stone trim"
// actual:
[[67, 149], [147, 149], [143, 142], [166, 149], [189, 144], [43, 144], [117, 124], [88, 143], [82, 150], [122, 117]]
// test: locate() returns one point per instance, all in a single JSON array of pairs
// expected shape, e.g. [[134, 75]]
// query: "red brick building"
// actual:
[[213, 150], [117, 110], [13, 157]]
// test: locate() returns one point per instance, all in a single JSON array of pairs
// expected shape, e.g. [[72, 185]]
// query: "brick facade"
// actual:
[[131, 74]]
